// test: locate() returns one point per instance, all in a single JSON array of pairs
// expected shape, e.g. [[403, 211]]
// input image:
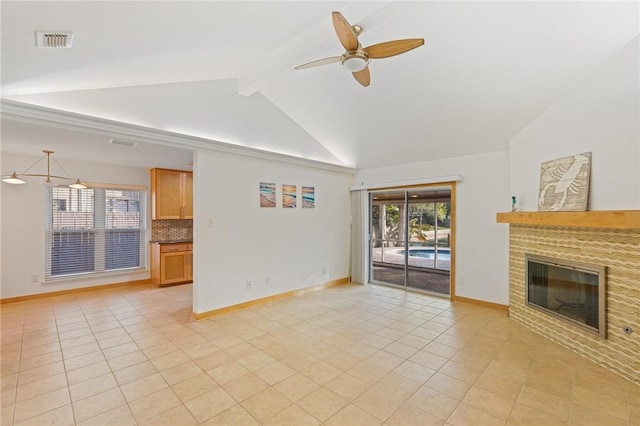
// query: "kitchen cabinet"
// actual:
[[171, 194], [189, 263], [171, 263]]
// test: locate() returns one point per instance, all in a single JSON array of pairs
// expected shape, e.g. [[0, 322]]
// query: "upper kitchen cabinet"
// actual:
[[171, 194]]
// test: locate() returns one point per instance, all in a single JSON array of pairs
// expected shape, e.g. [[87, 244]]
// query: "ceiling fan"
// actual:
[[356, 58]]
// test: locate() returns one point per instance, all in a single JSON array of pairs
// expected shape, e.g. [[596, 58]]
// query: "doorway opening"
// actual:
[[411, 238]]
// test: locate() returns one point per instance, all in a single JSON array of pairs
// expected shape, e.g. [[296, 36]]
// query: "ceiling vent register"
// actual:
[[56, 39], [123, 143]]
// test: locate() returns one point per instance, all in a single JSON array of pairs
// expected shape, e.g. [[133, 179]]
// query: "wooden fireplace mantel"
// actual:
[[611, 219]]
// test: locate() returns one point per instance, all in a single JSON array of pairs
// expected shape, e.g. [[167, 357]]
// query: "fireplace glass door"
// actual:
[[568, 290]]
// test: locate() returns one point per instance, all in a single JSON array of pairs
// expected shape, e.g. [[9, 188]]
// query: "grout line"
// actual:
[[338, 312]]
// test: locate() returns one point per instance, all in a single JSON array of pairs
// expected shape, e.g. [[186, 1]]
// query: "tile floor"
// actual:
[[349, 355]]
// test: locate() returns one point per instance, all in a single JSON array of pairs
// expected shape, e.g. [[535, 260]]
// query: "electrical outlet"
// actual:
[[460, 282], [35, 278], [268, 280], [248, 284], [324, 270]]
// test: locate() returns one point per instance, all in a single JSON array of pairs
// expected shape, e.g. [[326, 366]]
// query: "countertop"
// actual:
[[170, 241]]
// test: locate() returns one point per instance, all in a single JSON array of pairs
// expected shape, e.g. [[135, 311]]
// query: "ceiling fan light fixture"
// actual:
[[356, 58], [354, 63]]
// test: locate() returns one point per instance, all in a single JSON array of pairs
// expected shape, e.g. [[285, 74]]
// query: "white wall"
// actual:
[[24, 218], [601, 115], [482, 245], [295, 248]]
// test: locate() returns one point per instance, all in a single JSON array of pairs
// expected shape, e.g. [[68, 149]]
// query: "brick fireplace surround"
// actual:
[[608, 238]]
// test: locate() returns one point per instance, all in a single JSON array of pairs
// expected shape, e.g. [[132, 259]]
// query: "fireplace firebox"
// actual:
[[570, 291]]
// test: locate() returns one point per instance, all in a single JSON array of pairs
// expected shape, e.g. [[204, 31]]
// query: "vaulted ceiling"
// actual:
[[224, 71]]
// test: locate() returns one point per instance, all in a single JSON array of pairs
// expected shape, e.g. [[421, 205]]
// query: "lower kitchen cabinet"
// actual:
[[171, 263]]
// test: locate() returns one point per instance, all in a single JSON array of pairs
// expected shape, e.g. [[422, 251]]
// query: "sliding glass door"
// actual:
[[411, 238], [388, 218], [429, 248]]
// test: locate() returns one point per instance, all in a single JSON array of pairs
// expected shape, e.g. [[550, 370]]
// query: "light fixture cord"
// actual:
[[33, 165], [63, 169], [48, 175]]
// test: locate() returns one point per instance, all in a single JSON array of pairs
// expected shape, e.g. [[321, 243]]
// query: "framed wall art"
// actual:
[[289, 196], [267, 194], [564, 184], [308, 197]]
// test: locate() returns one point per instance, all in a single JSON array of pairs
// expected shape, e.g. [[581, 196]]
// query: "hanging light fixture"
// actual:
[[14, 178]]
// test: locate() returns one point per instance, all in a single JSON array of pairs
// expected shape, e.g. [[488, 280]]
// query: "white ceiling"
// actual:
[[224, 71]]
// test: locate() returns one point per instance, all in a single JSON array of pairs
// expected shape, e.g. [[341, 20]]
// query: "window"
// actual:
[[94, 230], [60, 204]]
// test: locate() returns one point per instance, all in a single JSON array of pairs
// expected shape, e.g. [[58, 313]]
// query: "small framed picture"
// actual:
[[267, 194], [308, 197], [289, 196]]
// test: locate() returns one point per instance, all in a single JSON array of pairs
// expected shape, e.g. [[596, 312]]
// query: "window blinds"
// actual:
[[94, 230], [359, 236]]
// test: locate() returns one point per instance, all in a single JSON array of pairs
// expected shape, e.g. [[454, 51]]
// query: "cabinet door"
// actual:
[[189, 265], [167, 194], [173, 268], [188, 195]]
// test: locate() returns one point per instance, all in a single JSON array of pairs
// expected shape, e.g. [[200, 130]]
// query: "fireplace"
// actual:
[[567, 290], [610, 238]]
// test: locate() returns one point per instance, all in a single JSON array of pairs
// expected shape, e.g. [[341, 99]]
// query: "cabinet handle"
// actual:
[[173, 249]]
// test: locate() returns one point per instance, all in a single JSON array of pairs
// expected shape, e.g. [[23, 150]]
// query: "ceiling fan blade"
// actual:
[[392, 48], [345, 32], [319, 62], [363, 76]]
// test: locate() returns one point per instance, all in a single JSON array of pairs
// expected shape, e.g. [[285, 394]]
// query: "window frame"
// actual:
[[102, 235]]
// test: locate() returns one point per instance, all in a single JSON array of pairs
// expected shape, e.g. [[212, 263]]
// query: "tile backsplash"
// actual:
[[171, 229]]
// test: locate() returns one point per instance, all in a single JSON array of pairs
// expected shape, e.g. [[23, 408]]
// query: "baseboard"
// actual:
[[72, 291], [481, 303], [268, 299]]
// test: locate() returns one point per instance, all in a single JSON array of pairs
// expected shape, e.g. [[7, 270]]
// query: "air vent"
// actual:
[[123, 143], [59, 39]]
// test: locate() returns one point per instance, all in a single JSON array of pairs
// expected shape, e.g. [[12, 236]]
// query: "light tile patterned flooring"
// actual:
[[349, 355]]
